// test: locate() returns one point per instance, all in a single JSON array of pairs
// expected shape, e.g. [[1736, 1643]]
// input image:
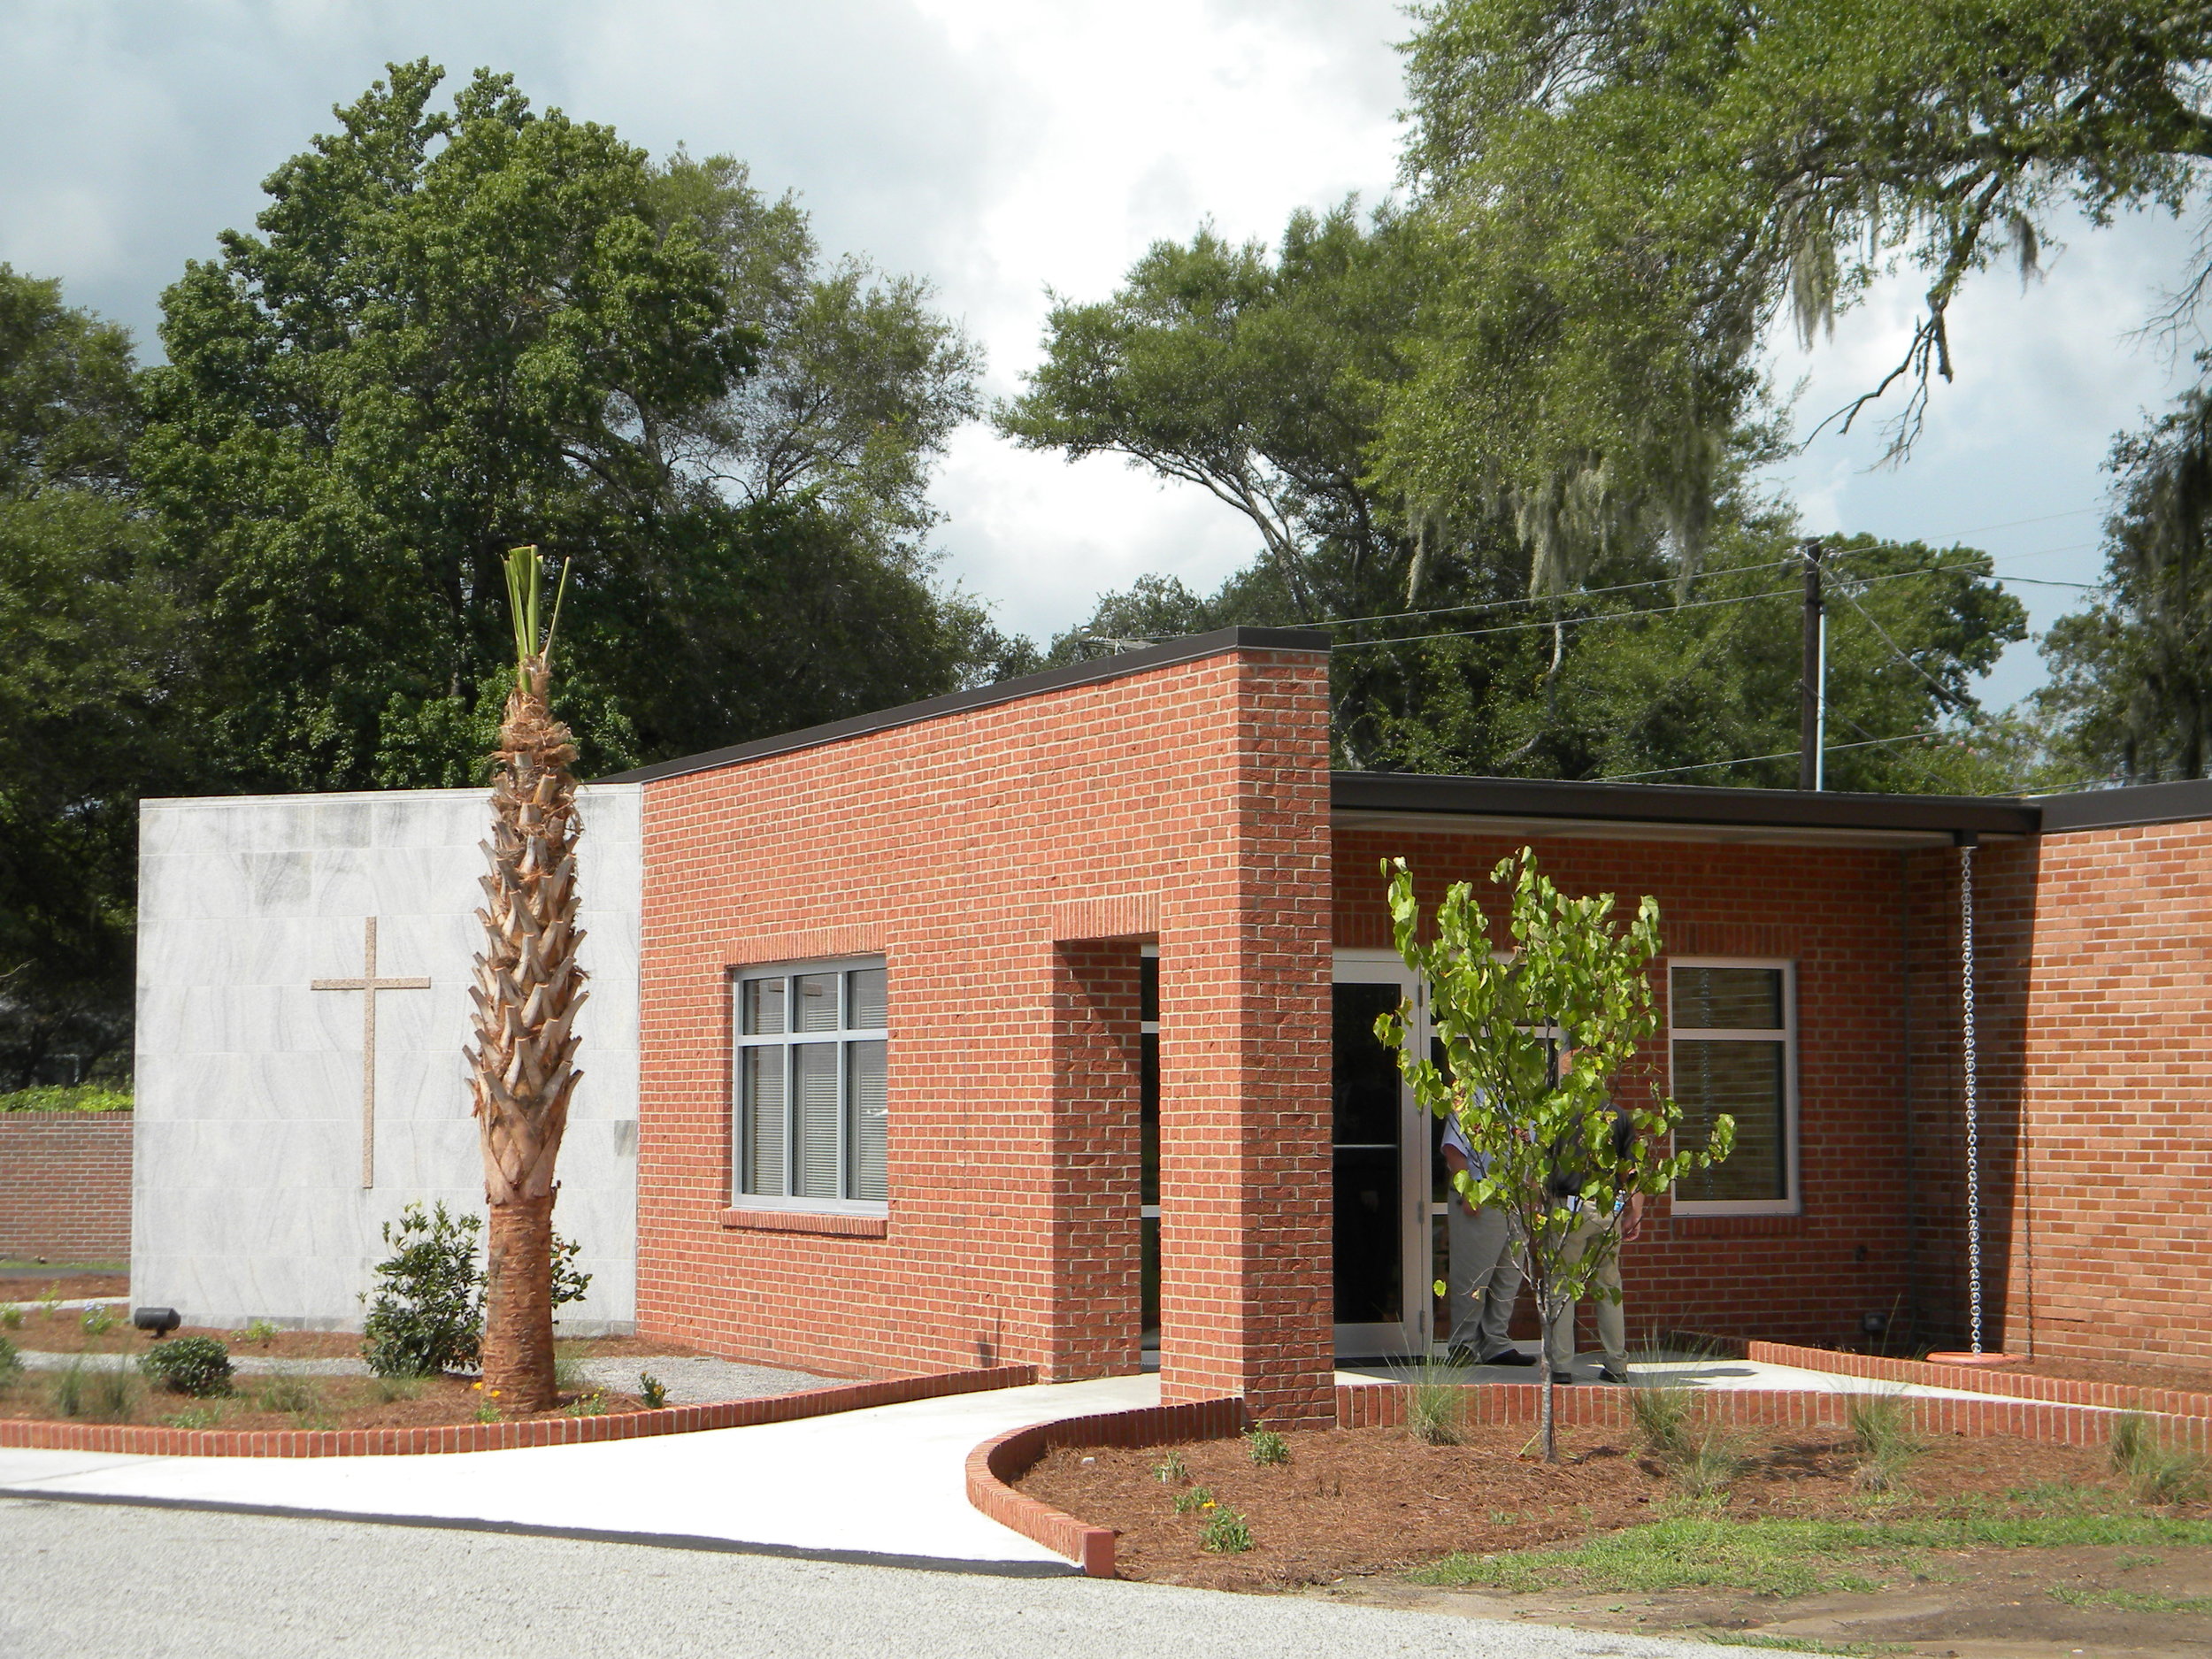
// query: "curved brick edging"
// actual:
[[2172, 1403], [1383, 1405], [994, 1467], [494, 1437]]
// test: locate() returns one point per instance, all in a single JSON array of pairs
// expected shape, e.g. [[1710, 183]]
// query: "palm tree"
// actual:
[[527, 990]]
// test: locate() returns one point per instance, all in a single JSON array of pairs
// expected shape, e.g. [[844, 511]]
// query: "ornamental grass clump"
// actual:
[[198, 1366], [10, 1361], [1882, 1434], [2155, 1472], [1436, 1403]]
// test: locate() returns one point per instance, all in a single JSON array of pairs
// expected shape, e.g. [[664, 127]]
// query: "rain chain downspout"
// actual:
[[1973, 1124]]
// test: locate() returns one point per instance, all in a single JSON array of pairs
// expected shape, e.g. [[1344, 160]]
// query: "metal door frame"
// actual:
[[1408, 1335]]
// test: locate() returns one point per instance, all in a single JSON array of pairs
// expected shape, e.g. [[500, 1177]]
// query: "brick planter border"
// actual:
[[499, 1437], [2173, 1403], [995, 1465]]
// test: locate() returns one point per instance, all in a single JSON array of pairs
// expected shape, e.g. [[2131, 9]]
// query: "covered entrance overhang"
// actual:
[[1390, 1193]]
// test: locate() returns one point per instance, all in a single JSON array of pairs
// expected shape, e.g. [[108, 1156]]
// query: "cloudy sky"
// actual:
[[1002, 149]]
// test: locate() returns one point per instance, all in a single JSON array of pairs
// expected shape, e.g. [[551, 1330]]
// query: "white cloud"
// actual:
[[1001, 149]]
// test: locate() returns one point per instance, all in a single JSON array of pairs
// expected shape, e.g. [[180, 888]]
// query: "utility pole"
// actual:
[[1812, 716]]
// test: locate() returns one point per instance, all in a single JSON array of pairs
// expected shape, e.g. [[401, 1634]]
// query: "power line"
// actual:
[[1636, 615], [1744, 760]]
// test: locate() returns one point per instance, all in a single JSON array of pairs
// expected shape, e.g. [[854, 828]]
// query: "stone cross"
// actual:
[[368, 984]]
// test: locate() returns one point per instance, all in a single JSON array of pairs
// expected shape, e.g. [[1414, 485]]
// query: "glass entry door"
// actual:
[[1382, 1242]]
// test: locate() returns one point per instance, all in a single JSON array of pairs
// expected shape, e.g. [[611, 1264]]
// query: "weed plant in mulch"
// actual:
[[1364, 1502]]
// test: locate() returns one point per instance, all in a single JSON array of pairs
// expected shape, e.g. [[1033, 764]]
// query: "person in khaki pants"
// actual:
[[1486, 1269], [1612, 1317]]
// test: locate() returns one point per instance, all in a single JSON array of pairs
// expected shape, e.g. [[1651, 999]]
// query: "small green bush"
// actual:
[[1172, 1471], [260, 1331], [391, 1388], [652, 1390], [82, 1097], [11, 1316], [1194, 1498], [11, 1361], [1224, 1533], [195, 1365], [591, 1405], [192, 1418], [1267, 1446], [427, 1315], [97, 1320]]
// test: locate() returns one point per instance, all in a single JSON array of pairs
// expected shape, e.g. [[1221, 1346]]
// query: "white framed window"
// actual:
[[1732, 1042], [812, 1040]]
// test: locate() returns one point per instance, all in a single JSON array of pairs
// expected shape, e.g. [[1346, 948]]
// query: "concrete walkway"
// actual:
[[1694, 1373], [887, 1485]]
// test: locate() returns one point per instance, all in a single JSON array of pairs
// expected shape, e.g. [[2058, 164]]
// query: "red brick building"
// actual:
[[1029, 1024]]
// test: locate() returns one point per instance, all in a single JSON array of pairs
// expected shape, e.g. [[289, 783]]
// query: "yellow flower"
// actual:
[[476, 1385], [495, 1394], [1208, 1504]]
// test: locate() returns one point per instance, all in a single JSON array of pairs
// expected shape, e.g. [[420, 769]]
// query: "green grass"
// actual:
[[2132, 1601], [1789, 1558]]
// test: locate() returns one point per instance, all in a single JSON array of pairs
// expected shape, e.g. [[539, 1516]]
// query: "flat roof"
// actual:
[[1536, 806]]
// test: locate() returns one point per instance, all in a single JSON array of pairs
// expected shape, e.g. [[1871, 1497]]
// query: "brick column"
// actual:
[[1095, 1304], [1245, 1260]]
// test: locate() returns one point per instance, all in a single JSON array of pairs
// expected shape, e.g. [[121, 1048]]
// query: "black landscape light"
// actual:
[[160, 1321]]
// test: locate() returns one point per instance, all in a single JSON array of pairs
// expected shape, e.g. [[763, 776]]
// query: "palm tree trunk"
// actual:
[[528, 988]]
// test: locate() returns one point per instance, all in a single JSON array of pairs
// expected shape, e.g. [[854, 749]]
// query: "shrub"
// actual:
[[591, 1405], [191, 1417], [1224, 1533], [98, 1320], [82, 1097], [11, 1361], [1195, 1497], [427, 1315], [11, 1316], [195, 1365], [652, 1390], [259, 1331], [1267, 1446], [391, 1388]]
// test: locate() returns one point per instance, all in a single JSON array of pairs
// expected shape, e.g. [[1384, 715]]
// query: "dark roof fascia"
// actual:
[[1196, 647], [1650, 804], [2124, 809]]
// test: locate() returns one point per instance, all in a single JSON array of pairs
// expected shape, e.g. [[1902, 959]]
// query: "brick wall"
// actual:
[[66, 1185], [991, 855], [1839, 915], [2113, 1187]]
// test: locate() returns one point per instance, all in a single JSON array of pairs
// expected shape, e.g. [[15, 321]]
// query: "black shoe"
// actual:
[[1606, 1373], [1563, 1377], [1510, 1356], [1460, 1355]]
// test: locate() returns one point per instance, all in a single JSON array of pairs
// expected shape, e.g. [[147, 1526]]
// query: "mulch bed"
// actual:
[[1369, 1501], [292, 1402], [63, 1332], [24, 1290]]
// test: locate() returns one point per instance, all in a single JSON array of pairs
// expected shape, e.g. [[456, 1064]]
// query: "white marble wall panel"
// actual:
[[247, 1200]]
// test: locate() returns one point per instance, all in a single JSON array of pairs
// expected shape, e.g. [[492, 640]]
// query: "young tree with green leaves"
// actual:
[[1534, 1039]]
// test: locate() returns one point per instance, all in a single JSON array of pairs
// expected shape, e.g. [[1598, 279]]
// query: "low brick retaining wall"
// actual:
[[995, 1465], [499, 1437], [66, 1185], [2173, 1403]]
